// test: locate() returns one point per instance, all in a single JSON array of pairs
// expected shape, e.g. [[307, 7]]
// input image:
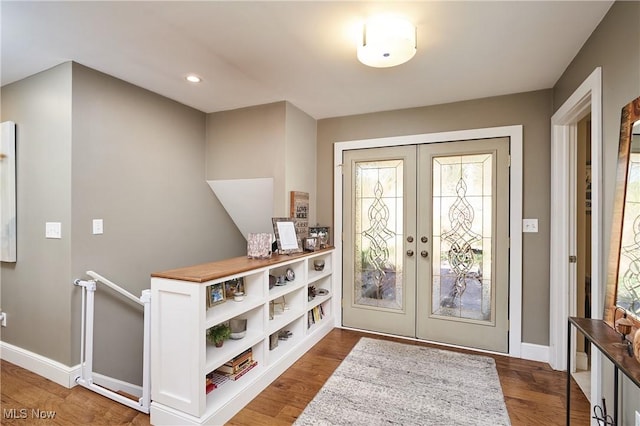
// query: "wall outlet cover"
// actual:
[[53, 230], [529, 225]]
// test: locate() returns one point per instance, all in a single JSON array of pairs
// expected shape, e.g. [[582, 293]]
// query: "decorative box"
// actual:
[[259, 246]]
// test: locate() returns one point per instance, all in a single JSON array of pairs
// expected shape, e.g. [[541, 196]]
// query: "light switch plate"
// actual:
[[53, 230], [637, 418], [529, 225], [98, 226]]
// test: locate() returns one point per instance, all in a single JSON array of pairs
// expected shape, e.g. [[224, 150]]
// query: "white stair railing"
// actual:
[[86, 345]]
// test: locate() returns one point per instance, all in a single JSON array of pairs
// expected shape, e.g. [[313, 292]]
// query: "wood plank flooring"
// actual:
[[534, 393]]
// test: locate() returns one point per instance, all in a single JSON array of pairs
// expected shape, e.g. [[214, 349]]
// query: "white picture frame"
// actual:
[[8, 192]]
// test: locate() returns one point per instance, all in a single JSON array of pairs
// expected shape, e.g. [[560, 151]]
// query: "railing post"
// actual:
[[86, 340], [145, 401]]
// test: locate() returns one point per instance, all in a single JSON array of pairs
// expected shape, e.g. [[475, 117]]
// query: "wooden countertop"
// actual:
[[215, 270], [607, 340]]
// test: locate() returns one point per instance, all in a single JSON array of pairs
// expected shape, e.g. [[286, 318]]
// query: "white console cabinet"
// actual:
[[180, 318]]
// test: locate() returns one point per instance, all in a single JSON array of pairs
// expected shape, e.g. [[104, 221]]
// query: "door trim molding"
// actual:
[[587, 97], [515, 207]]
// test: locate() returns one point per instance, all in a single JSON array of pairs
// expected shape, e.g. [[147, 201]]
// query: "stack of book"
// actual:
[[233, 369], [238, 366], [314, 315]]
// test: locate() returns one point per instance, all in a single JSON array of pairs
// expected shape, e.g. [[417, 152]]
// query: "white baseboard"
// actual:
[[582, 361], [60, 373], [45, 367], [534, 352]]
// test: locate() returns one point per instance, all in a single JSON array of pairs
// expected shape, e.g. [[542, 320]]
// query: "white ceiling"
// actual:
[[252, 53]]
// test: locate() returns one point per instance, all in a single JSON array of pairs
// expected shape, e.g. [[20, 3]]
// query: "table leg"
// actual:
[[569, 374], [615, 395]]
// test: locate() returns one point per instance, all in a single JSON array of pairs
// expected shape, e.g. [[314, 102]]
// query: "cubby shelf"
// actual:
[[318, 300], [180, 318]]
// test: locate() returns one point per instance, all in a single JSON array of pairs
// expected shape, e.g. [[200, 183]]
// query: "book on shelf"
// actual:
[[237, 362], [244, 371], [314, 315], [232, 369], [238, 365], [214, 380], [238, 373]]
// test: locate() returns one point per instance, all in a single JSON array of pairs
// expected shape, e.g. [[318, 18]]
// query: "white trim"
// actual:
[[587, 97], [582, 361], [45, 367], [534, 352], [515, 209]]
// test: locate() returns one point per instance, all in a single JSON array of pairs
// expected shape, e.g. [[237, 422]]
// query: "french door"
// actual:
[[426, 241]]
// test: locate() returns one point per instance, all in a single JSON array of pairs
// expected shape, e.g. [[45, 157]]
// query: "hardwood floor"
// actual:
[[25, 394], [534, 393]]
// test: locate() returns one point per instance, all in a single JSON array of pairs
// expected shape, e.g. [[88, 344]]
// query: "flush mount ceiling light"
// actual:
[[192, 78], [387, 42]]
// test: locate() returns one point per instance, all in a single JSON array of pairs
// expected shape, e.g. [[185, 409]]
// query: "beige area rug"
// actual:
[[388, 383]]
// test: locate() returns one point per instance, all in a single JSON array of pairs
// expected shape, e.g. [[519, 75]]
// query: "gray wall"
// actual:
[[275, 140], [614, 46], [135, 160], [300, 157], [36, 290], [249, 143], [138, 164], [532, 110]]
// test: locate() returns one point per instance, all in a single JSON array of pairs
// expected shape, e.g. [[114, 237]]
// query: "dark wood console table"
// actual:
[[604, 338]]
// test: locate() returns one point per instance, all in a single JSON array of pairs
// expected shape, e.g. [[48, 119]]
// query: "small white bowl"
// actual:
[[238, 297], [238, 335]]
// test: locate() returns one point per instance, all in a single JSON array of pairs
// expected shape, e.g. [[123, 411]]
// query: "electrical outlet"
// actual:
[[637, 418], [529, 225], [98, 226]]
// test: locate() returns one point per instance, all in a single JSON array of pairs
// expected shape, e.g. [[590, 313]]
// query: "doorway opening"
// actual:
[[582, 375], [563, 300]]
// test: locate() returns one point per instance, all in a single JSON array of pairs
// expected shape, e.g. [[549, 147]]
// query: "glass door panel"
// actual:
[[378, 274], [461, 201], [378, 233]]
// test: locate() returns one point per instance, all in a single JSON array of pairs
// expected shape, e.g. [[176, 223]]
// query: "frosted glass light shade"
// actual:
[[387, 42]]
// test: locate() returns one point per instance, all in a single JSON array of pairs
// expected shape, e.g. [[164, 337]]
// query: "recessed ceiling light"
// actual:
[[192, 78]]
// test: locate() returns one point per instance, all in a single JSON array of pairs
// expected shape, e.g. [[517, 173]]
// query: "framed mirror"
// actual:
[[623, 275]]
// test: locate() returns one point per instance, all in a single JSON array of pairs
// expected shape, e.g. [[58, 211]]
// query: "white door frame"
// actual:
[[515, 214], [587, 97]]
